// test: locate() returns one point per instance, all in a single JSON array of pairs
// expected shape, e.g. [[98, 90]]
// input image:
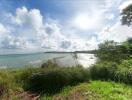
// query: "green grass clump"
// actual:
[[7, 84]]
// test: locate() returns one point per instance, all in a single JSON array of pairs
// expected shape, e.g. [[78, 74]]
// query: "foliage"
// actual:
[[53, 80], [124, 72], [49, 63], [127, 46], [113, 71], [93, 90], [109, 51], [7, 84], [126, 15], [114, 62], [103, 70]]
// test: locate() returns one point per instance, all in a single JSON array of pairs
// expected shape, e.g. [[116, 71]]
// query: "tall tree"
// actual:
[[126, 16]]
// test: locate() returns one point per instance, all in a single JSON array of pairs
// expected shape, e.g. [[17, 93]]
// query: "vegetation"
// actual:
[[94, 90], [127, 15], [114, 62], [45, 80], [51, 81]]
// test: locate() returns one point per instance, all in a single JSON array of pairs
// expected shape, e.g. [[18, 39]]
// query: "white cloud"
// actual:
[[10, 42], [28, 28], [3, 30], [117, 33], [29, 31], [92, 14], [31, 18], [110, 16]]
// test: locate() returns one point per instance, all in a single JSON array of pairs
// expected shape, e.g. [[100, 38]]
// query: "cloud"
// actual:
[[29, 30], [90, 23], [65, 44], [117, 32], [92, 15], [25, 28], [9, 42], [3, 30], [31, 18]]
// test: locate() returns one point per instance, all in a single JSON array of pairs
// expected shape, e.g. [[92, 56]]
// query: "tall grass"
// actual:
[[7, 84]]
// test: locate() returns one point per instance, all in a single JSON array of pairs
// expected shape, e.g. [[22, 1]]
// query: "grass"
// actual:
[[94, 90]]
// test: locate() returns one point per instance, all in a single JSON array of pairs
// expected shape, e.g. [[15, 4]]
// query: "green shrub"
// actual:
[[103, 71], [54, 79], [49, 63], [124, 72], [113, 71], [50, 78]]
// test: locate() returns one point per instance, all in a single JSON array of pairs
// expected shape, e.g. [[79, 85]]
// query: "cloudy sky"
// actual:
[[43, 25]]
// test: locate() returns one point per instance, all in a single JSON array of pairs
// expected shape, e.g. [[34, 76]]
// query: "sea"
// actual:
[[36, 59]]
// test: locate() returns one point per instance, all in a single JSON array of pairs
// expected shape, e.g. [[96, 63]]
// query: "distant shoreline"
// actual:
[[58, 52], [90, 52]]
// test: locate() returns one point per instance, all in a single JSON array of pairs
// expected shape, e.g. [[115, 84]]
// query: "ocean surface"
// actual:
[[36, 59]]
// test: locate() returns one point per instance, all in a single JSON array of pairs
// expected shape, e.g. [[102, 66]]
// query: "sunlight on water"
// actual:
[[86, 59]]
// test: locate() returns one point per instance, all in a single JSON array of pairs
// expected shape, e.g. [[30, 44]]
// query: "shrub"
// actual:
[[53, 80], [103, 70], [49, 63], [113, 71], [124, 72]]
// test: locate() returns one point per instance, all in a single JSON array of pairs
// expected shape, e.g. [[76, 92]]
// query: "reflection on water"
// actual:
[[86, 59], [63, 59]]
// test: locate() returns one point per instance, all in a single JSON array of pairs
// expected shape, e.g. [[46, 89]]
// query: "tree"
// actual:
[[126, 16], [128, 46], [112, 51]]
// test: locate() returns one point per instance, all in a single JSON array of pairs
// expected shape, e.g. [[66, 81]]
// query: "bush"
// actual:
[[49, 63], [124, 72], [50, 78], [113, 71], [103, 71], [53, 80]]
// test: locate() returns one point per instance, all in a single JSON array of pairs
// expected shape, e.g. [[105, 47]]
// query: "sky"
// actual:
[[60, 25]]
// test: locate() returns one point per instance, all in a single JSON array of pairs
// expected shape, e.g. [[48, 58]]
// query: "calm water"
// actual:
[[65, 59]]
